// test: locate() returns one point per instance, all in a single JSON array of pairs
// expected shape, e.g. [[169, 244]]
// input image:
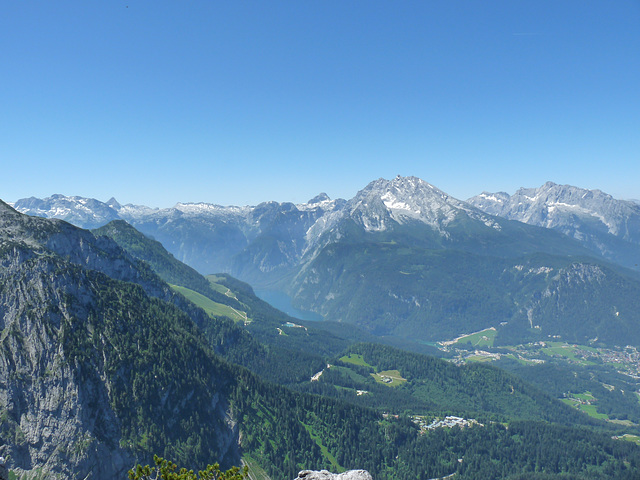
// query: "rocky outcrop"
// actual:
[[326, 475]]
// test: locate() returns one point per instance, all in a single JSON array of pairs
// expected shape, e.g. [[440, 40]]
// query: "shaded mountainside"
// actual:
[[271, 358], [407, 291]]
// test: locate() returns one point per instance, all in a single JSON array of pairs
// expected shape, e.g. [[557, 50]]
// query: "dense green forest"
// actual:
[[290, 423], [616, 393]]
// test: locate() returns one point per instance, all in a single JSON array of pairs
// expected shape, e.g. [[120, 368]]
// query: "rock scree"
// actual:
[[326, 475]]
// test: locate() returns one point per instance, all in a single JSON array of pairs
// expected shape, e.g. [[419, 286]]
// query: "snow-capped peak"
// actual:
[[409, 198], [564, 207]]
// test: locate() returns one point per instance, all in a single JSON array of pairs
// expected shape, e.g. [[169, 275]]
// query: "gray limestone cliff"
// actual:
[[70, 305], [606, 225], [326, 475]]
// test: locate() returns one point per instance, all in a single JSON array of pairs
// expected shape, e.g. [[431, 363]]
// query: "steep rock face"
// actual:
[[604, 224], [52, 420], [97, 373], [561, 206]]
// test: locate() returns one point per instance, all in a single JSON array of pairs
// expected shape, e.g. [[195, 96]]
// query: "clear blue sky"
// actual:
[[237, 102]]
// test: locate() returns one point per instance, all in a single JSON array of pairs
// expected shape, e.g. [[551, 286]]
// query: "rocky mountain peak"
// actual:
[[113, 203], [321, 197], [602, 223], [408, 198], [562, 206], [86, 212]]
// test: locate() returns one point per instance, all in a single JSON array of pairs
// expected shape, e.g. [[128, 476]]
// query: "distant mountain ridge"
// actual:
[[602, 223], [204, 236], [404, 258]]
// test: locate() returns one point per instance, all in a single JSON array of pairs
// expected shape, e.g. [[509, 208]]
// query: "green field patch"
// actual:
[[589, 349], [586, 396], [564, 350], [584, 402], [220, 288], [626, 423], [592, 411], [630, 438], [522, 361], [212, 308], [391, 378], [355, 359], [484, 338], [479, 358]]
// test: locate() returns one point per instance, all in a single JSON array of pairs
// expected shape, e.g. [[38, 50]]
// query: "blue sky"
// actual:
[[156, 102]]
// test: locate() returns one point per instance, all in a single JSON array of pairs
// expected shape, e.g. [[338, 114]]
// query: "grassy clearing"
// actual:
[[484, 338], [220, 288], [212, 308], [586, 396], [593, 412], [390, 378], [255, 471], [479, 358], [522, 361], [583, 402], [355, 359], [565, 350], [626, 423], [631, 438]]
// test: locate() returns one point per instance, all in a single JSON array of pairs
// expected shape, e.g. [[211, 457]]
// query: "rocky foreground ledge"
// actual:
[[326, 475]]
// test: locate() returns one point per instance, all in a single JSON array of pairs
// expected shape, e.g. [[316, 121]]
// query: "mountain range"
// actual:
[[403, 258], [105, 363], [602, 223]]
